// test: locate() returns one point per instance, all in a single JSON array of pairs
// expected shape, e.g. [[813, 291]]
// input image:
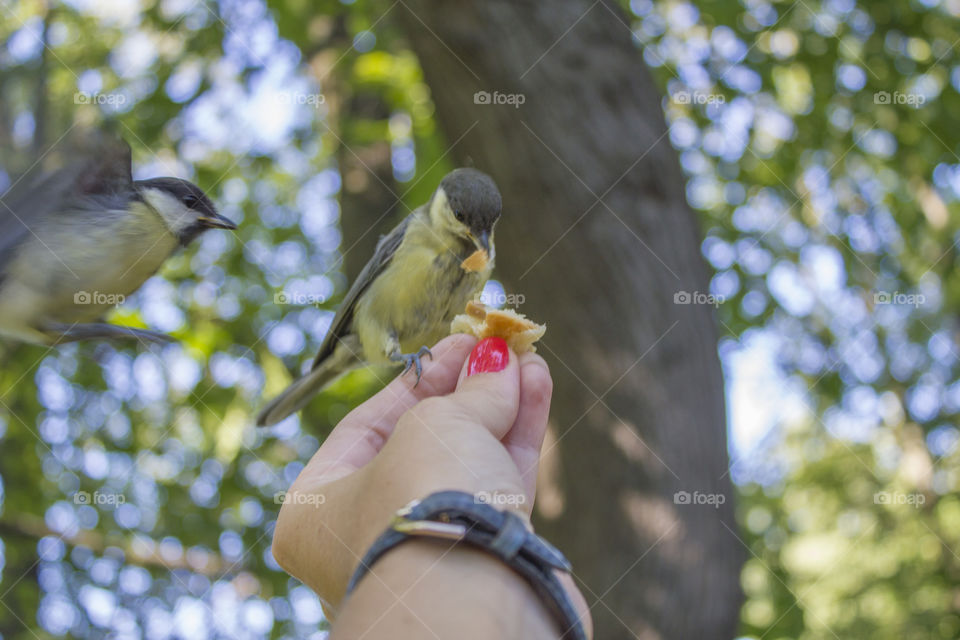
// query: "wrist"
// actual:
[[438, 588], [457, 516], [424, 457]]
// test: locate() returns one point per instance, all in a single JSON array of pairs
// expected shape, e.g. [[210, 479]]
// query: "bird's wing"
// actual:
[[100, 167], [108, 165], [34, 197], [340, 326]]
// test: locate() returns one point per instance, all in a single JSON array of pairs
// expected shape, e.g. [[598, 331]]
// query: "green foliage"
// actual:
[[821, 143]]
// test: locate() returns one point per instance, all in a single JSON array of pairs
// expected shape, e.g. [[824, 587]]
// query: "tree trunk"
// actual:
[[369, 194], [369, 198], [597, 235]]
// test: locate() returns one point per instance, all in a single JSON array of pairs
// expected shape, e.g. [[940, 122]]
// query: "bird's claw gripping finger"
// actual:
[[412, 360]]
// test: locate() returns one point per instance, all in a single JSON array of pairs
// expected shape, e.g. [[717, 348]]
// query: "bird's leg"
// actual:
[[412, 360], [62, 333]]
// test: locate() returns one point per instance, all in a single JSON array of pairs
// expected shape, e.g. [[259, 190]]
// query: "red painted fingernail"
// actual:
[[489, 356]]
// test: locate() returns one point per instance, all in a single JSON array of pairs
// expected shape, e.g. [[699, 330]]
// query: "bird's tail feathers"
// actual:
[[299, 393]]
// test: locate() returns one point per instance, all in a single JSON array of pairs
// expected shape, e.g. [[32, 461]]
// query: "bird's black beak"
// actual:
[[483, 240], [214, 220]]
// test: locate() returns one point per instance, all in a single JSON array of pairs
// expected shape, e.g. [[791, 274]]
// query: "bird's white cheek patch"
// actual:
[[175, 216]]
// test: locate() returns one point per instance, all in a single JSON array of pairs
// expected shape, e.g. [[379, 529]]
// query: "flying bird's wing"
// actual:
[[108, 164], [33, 197], [99, 165], [340, 326]]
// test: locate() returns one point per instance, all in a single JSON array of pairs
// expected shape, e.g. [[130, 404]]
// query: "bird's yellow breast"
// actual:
[[414, 299], [81, 271]]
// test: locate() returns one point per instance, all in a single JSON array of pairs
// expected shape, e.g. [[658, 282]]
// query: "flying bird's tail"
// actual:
[[299, 393]]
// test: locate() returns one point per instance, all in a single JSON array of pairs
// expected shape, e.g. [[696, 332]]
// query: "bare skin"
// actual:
[[481, 433]]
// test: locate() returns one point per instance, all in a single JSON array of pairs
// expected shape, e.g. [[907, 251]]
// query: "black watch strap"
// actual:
[[461, 517]]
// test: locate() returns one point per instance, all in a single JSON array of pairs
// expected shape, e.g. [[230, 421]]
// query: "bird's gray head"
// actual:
[[468, 203], [184, 207]]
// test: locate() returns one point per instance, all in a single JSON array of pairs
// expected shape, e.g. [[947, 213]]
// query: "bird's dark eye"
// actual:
[[190, 201], [459, 215]]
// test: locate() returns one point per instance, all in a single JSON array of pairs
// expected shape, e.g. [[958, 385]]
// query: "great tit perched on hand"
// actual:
[[75, 241], [410, 290]]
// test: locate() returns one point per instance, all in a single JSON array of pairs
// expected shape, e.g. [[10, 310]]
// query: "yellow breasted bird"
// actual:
[[409, 291]]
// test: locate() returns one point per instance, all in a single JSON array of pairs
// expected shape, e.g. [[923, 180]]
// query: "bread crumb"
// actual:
[[476, 261], [483, 322]]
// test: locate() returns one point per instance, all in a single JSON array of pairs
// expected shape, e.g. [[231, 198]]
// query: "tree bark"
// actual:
[[369, 196], [597, 235], [369, 199]]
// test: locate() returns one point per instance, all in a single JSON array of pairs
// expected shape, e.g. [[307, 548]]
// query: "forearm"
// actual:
[[430, 589]]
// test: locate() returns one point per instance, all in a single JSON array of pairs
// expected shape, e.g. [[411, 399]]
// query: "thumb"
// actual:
[[489, 386]]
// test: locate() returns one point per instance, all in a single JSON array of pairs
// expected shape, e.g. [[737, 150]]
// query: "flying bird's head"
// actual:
[[467, 203], [184, 207]]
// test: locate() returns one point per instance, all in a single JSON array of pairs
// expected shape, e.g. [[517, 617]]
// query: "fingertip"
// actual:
[[536, 383], [535, 363], [488, 385], [489, 355], [532, 356]]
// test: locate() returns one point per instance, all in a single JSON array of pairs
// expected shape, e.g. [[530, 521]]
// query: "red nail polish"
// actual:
[[489, 356]]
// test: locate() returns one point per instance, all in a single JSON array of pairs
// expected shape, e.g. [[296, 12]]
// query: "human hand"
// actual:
[[474, 433]]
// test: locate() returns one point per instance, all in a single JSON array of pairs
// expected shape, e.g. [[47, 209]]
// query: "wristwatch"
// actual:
[[464, 518]]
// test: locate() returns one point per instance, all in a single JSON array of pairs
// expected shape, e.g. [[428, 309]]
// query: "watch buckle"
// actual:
[[428, 528]]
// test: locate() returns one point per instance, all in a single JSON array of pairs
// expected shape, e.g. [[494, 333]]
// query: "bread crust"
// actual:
[[482, 322]]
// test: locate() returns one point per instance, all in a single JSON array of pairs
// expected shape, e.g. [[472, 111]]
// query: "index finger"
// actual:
[[363, 432]]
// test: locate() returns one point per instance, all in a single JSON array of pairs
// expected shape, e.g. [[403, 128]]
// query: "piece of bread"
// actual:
[[476, 261], [483, 322]]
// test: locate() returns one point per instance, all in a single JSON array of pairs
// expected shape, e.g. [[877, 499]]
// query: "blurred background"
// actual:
[[817, 143]]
